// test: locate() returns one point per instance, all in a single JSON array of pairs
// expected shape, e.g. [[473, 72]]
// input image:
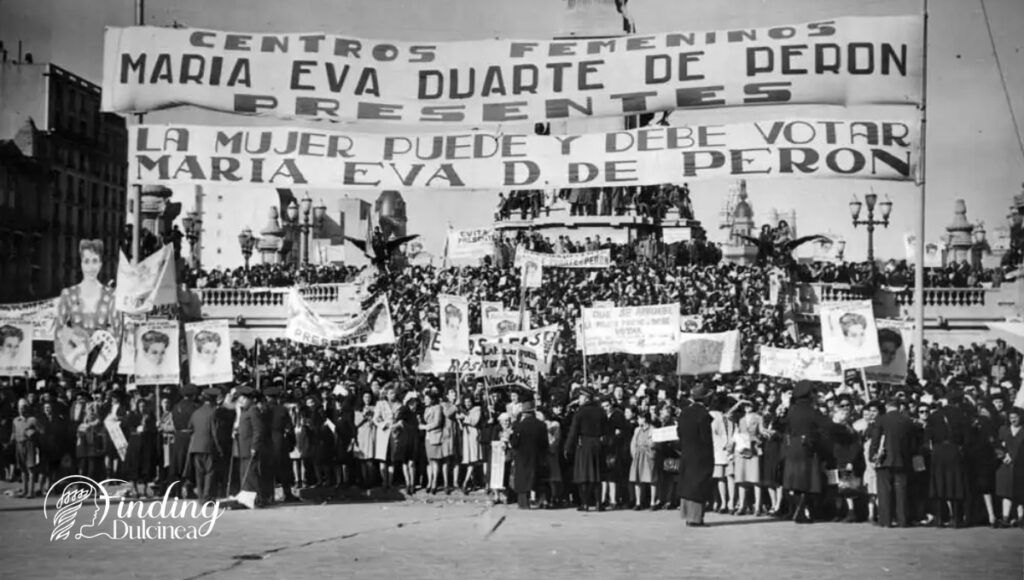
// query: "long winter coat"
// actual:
[[529, 443], [696, 454]]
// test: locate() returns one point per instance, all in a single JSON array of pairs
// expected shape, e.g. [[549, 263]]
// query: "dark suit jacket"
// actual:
[[253, 433], [203, 425], [280, 427], [900, 438], [696, 454]]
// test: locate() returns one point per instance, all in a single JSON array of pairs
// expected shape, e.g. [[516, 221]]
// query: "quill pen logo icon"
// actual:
[[86, 510]]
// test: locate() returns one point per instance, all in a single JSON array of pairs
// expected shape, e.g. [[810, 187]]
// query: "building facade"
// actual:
[[53, 118]]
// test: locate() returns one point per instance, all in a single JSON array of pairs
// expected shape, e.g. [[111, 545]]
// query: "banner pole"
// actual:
[[921, 202]]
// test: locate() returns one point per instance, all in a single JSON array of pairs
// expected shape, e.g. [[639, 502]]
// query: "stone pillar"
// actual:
[[960, 234]]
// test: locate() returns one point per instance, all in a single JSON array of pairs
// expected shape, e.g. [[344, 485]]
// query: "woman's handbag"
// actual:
[[849, 481], [670, 465]]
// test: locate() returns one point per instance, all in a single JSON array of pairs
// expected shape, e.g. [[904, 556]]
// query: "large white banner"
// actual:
[[474, 244], [705, 354], [371, 327], [841, 61], [454, 331], [156, 353], [868, 148], [799, 364], [631, 330], [894, 338], [543, 340], [15, 348], [151, 283], [516, 363], [848, 333], [42, 315], [209, 348], [593, 259]]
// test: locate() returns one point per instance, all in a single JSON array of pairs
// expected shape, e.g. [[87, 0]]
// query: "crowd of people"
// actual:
[[649, 201], [942, 448]]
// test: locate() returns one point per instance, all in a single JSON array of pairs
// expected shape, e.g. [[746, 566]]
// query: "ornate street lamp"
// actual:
[[193, 229], [884, 209]]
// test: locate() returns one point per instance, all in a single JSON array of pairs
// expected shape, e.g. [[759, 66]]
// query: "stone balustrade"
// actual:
[[268, 304]]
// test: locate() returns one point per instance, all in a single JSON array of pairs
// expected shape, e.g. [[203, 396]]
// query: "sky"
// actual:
[[972, 151]]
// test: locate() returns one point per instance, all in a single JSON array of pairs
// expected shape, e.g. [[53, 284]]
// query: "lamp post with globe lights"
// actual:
[[884, 208], [247, 242], [305, 218]]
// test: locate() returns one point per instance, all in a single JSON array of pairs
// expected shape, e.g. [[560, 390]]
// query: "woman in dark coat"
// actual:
[[141, 458], [406, 440], [805, 435], [1010, 476], [616, 444], [665, 481], [771, 461], [981, 464], [344, 419], [946, 432]]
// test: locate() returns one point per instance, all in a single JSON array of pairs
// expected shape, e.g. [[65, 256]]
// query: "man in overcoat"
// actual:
[[696, 457], [892, 448], [253, 440], [530, 443], [588, 425]]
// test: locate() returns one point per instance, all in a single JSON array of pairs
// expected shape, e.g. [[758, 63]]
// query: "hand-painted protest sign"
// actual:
[[150, 283], [372, 327], [704, 354], [507, 363], [116, 436], [631, 330], [156, 353], [799, 364], [593, 259], [875, 148], [41, 315], [848, 333], [894, 338], [841, 61], [470, 244]]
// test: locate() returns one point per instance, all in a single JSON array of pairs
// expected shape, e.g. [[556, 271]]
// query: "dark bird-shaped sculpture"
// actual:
[[380, 249], [778, 252]]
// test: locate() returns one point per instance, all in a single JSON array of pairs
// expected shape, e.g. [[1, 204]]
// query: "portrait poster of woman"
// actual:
[[88, 329], [849, 334], [454, 323], [209, 352], [156, 353], [15, 348]]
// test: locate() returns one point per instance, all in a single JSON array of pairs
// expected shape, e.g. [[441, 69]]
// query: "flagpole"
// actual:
[[919, 271]]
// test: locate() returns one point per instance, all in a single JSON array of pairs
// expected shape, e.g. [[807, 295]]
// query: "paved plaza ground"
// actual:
[[442, 539]]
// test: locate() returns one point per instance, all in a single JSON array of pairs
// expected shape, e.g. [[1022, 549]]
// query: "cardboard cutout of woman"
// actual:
[[88, 326]]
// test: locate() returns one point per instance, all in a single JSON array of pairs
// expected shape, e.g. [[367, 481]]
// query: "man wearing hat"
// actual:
[[696, 457], [588, 425], [530, 444], [181, 416], [892, 450], [253, 440], [281, 432], [203, 446]]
